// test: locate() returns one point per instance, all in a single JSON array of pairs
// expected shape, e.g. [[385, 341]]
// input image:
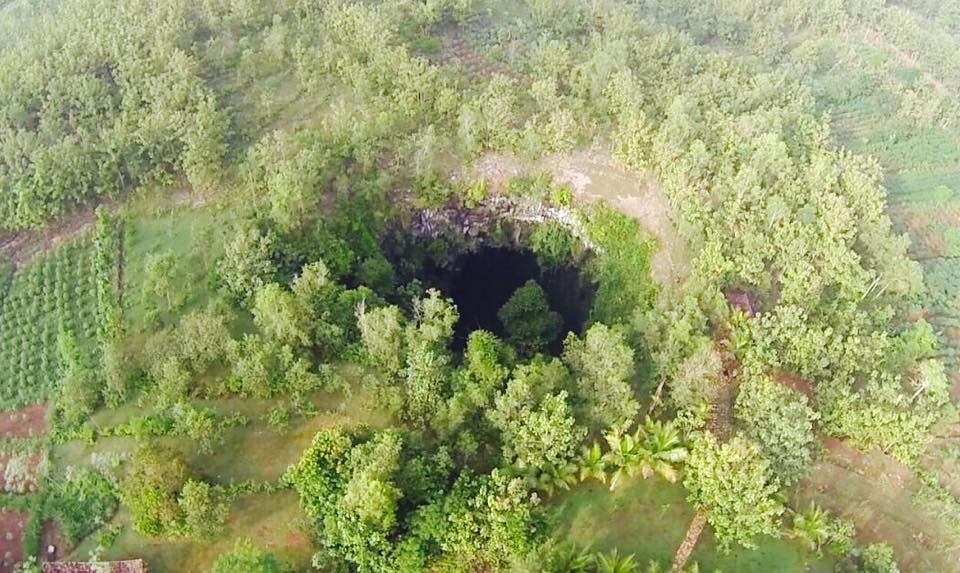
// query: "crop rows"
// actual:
[[56, 290]]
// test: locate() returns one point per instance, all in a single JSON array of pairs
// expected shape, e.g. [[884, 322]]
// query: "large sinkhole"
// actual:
[[480, 282]]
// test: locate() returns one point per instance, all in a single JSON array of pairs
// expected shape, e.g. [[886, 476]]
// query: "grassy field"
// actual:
[[251, 452], [649, 518]]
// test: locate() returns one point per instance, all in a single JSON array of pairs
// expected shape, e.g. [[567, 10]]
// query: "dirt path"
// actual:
[[689, 542]]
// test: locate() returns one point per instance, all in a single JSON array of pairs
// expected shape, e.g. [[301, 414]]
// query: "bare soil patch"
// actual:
[[797, 383], [20, 246], [53, 544], [24, 423], [593, 175], [456, 49], [875, 491], [11, 538], [498, 169]]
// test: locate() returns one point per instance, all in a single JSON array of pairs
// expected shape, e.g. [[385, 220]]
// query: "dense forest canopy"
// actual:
[[344, 279]]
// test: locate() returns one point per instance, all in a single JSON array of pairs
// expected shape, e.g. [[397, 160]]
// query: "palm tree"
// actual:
[[613, 563], [654, 448], [556, 477], [812, 526], [664, 449], [624, 456], [592, 465], [569, 558]]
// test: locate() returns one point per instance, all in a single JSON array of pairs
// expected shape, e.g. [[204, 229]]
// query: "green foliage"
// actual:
[[247, 263], [622, 266], [94, 103], [150, 491], [528, 320], [780, 420], [279, 316], [428, 359], [81, 502], [351, 489], [734, 483], [165, 501], [878, 558], [203, 510], [350, 486], [603, 364], [247, 558], [613, 562], [816, 528], [382, 333], [535, 434], [79, 386], [553, 244], [654, 448], [159, 279], [107, 245]]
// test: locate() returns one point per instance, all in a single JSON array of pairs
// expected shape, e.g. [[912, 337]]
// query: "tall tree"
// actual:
[[530, 323], [603, 363], [734, 483]]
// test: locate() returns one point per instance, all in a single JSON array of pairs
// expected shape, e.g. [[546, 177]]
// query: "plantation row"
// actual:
[[69, 289]]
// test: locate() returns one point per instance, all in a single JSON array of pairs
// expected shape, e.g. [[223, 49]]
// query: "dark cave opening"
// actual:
[[481, 281]]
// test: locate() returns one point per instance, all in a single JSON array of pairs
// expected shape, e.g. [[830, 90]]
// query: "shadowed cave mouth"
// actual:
[[480, 282]]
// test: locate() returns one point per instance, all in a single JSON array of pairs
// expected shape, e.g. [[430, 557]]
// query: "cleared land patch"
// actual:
[[876, 493]]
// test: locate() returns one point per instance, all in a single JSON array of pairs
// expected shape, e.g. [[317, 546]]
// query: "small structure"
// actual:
[[744, 300], [131, 566]]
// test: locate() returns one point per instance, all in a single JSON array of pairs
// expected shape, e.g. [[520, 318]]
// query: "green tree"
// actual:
[[780, 420], [603, 363], [204, 509], [878, 558], [592, 464], [654, 448], [165, 501], [568, 558], [556, 477], [735, 484], [79, 387], [544, 435], [150, 490], [247, 263], [428, 357], [382, 333], [203, 336], [278, 314], [812, 526], [528, 320], [613, 562], [159, 278], [81, 501], [247, 558], [537, 426], [199, 424]]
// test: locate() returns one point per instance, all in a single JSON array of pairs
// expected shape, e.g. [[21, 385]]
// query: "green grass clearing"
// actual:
[[649, 518]]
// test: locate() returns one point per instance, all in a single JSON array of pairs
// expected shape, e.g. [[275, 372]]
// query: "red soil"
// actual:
[[11, 538], [29, 421]]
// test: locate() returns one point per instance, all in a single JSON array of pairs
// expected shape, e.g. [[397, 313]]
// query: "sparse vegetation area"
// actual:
[[477, 285]]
